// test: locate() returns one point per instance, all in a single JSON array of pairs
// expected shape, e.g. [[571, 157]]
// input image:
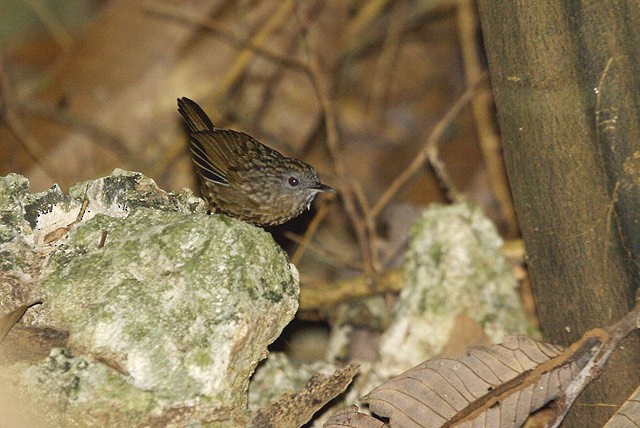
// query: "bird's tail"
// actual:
[[194, 116]]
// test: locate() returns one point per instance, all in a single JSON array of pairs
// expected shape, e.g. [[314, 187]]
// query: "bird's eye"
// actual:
[[293, 182]]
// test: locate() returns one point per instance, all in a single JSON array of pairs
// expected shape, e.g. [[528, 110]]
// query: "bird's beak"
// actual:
[[324, 188]]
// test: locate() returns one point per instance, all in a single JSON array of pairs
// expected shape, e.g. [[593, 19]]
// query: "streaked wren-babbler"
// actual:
[[243, 178]]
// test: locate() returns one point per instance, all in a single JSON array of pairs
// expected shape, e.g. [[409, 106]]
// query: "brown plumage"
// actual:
[[245, 179]]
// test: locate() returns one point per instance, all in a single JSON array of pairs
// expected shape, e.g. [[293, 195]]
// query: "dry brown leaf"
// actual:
[[294, 410], [9, 320], [351, 418], [488, 387], [628, 415]]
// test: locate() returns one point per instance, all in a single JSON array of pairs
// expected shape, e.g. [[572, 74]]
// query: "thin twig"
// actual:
[[428, 153], [14, 122], [290, 46], [360, 196], [103, 238], [258, 40], [370, 224], [223, 33], [387, 62], [367, 13], [270, 84], [322, 212], [83, 209], [345, 191], [58, 233], [324, 252], [325, 296], [364, 41], [481, 108], [321, 87], [595, 366], [52, 23]]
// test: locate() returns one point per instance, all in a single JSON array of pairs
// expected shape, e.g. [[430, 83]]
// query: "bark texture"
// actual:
[[565, 81]]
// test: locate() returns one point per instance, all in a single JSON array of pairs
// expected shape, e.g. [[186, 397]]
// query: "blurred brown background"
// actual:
[[86, 87], [365, 91]]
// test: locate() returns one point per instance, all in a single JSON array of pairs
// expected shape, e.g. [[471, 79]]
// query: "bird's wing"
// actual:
[[214, 152]]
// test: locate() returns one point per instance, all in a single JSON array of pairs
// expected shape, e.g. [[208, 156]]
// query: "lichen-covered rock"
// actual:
[[33, 224], [93, 393], [20, 263], [166, 307], [454, 266], [279, 375]]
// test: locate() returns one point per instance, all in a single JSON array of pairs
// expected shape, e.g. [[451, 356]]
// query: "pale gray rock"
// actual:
[[168, 309], [454, 266]]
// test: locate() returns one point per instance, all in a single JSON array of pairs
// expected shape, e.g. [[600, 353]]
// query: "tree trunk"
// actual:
[[565, 80]]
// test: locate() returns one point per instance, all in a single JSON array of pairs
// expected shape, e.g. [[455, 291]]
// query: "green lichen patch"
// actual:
[[166, 290], [93, 393], [125, 191], [168, 310], [13, 188], [453, 266]]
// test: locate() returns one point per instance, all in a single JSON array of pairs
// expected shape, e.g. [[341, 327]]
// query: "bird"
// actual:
[[245, 179]]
